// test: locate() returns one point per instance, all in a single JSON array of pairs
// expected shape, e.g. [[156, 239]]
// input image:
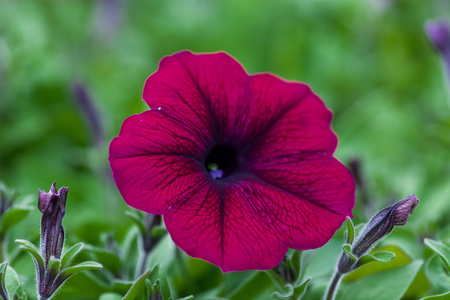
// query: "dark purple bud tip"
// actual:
[[53, 198], [383, 222], [403, 210], [378, 227], [439, 33], [53, 207]]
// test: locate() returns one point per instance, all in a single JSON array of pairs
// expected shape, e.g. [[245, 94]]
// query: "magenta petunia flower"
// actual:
[[241, 166]]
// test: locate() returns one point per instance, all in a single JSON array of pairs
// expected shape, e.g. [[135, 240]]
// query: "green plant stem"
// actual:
[[143, 262], [2, 241], [330, 294]]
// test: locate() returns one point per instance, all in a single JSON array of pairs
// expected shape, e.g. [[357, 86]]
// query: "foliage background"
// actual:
[[370, 61]]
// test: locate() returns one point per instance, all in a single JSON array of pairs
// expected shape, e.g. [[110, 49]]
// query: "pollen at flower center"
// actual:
[[221, 161]]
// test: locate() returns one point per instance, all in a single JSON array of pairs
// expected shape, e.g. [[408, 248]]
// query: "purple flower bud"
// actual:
[[53, 207], [378, 227], [383, 222], [87, 105], [5, 200], [439, 33]]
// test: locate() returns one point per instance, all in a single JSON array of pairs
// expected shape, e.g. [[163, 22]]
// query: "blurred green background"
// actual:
[[370, 61]]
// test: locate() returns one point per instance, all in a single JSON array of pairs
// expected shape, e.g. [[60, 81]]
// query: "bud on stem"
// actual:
[[379, 226]]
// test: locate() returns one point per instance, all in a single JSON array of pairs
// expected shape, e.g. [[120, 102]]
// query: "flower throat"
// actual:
[[221, 161]]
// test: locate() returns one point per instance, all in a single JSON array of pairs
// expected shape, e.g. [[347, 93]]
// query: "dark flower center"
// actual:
[[221, 161]]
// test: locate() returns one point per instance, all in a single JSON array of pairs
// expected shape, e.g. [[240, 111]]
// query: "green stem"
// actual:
[[2, 259], [142, 263], [333, 286]]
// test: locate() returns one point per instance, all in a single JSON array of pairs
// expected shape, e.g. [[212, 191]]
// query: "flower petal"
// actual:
[[152, 132], [247, 224], [203, 90], [152, 183], [304, 126], [314, 176]]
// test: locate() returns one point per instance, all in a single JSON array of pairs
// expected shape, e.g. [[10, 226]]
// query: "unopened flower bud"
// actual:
[[378, 227], [439, 33], [53, 207], [383, 222]]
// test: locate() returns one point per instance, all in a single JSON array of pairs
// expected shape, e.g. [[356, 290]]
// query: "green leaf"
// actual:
[[442, 250], [110, 296], [155, 291], [158, 273], [287, 294], [387, 285], [436, 274], [109, 260], [292, 292], [347, 248], [13, 216], [381, 256], [130, 253], [3, 266], [255, 287], [158, 231], [87, 265], [53, 266], [300, 289], [27, 244], [71, 254], [187, 298], [400, 259], [32, 250], [350, 231], [296, 258], [19, 293], [11, 281], [445, 296], [3, 292], [137, 220], [137, 287]]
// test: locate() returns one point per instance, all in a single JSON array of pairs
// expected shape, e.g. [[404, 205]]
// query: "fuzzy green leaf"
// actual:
[[299, 290], [110, 296], [350, 231], [13, 216], [19, 293], [155, 292], [158, 231], [9, 280], [137, 220], [3, 292], [442, 250], [347, 248], [252, 287], [381, 256], [71, 254], [32, 250], [87, 265], [53, 266], [287, 294], [445, 296], [386, 285], [137, 287], [159, 273], [437, 275], [109, 260], [292, 291]]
